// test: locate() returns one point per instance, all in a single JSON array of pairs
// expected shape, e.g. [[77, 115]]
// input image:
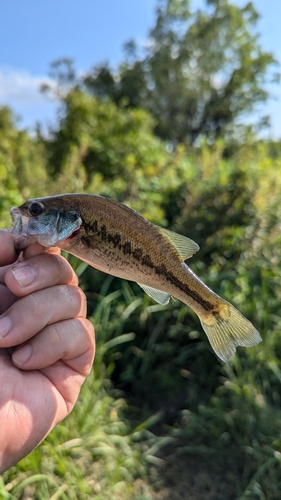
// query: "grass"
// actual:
[[221, 443]]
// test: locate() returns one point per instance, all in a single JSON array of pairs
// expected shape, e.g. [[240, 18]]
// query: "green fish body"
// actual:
[[115, 239]]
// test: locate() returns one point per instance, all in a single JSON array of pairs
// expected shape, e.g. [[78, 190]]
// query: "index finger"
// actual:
[[36, 249], [44, 270]]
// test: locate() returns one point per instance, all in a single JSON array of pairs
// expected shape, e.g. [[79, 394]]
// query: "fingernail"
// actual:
[[5, 327], [24, 275], [22, 355]]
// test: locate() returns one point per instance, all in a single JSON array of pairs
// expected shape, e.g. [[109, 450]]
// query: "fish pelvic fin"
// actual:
[[227, 329], [162, 298]]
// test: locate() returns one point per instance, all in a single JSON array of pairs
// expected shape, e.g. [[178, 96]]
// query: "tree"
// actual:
[[203, 71], [22, 165], [103, 148]]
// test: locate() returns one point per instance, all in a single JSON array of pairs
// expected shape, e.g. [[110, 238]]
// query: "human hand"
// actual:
[[46, 349]]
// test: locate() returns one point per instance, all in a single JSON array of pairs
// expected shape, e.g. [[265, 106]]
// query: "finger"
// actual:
[[7, 245], [38, 272], [36, 249], [71, 341], [67, 382], [3, 271], [32, 313], [7, 298]]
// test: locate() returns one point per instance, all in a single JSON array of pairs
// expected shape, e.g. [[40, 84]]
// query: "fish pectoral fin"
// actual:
[[184, 246], [162, 298]]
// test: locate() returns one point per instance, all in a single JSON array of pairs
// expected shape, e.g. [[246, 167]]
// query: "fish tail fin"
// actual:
[[227, 328]]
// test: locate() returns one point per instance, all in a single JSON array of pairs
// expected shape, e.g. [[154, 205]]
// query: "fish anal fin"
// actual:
[[185, 247], [162, 298]]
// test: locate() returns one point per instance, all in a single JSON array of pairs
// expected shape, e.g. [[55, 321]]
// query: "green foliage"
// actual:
[[159, 411], [230, 413], [22, 166], [202, 71], [109, 140]]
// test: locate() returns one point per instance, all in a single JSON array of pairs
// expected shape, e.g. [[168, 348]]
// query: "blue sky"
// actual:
[[34, 33]]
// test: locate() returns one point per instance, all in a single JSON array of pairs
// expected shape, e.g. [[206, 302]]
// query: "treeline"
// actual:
[[161, 135]]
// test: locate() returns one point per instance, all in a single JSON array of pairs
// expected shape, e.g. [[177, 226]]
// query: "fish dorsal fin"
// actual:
[[184, 246], [162, 298]]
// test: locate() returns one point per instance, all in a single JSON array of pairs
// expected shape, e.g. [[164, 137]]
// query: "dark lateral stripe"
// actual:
[[138, 253], [208, 306]]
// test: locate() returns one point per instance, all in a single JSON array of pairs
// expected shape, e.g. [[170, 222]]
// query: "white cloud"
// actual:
[[20, 87], [20, 90]]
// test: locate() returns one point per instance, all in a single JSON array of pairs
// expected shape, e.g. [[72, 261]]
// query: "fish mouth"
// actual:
[[72, 235], [20, 221], [20, 231], [27, 230]]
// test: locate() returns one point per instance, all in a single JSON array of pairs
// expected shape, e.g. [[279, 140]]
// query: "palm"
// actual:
[[22, 415]]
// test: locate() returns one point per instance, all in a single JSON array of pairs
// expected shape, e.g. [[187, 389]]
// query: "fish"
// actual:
[[117, 240]]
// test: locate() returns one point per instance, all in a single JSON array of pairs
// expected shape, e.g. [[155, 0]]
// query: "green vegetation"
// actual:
[[202, 70], [160, 417]]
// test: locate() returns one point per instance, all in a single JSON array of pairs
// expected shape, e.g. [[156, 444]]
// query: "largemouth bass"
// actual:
[[115, 239]]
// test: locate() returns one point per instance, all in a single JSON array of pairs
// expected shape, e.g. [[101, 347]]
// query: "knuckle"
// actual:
[[88, 328], [56, 329], [82, 299], [76, 297], [36, 303], [66, 269], [87, 332]]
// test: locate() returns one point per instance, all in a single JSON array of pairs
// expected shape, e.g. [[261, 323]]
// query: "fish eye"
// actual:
[[35, 208]]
